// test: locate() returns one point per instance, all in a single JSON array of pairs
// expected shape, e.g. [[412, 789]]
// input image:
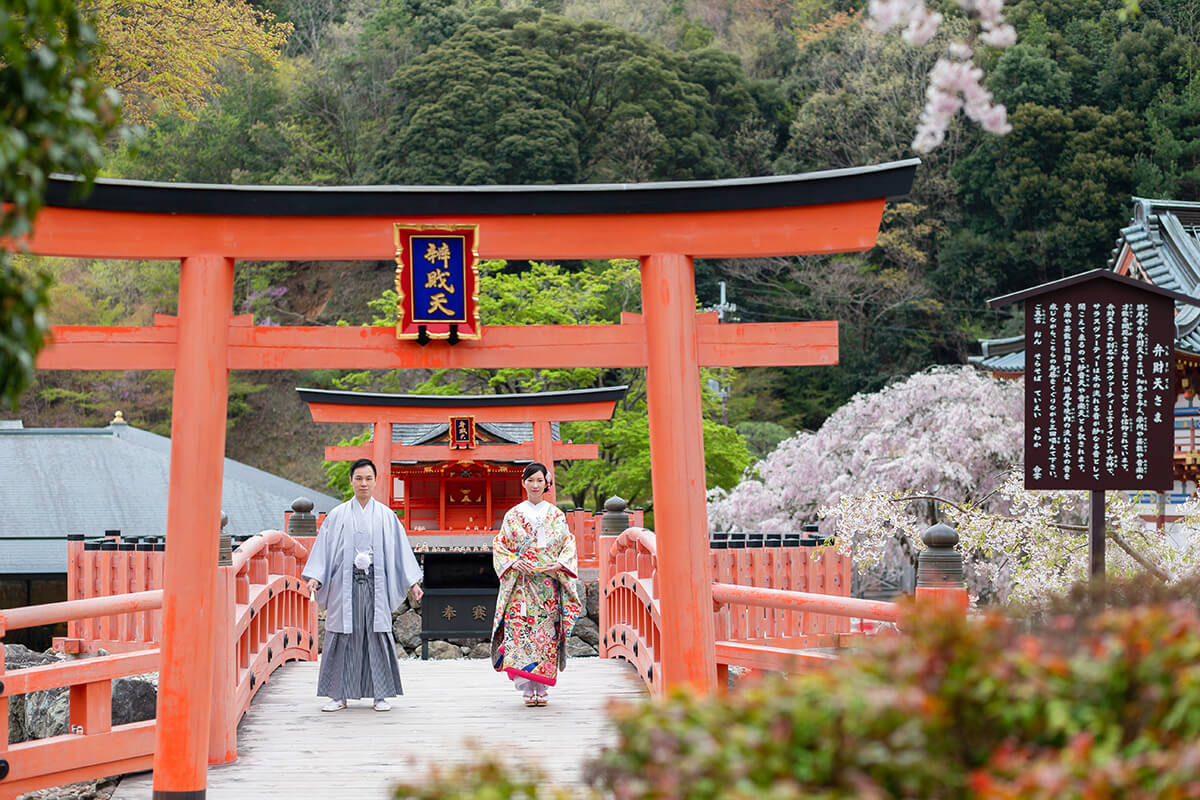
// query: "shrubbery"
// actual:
[[1086, 701]]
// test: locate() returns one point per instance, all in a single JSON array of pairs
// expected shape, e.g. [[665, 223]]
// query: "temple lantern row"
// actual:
[[455, 461]]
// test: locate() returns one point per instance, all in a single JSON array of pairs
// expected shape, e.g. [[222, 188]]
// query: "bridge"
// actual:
[[262, 715], [667, 629]]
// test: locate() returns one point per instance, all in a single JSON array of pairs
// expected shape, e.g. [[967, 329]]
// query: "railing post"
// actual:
[[604, 547], [940, 568], [222, 726], [3, 711]]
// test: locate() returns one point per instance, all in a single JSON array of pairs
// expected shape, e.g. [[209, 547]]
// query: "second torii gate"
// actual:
[[381, 411], [665, 226]]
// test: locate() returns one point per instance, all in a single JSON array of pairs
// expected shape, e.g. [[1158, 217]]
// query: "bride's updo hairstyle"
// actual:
[[534, 467]]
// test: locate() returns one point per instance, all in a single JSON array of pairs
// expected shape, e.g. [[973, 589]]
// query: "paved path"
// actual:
[[288, 748]]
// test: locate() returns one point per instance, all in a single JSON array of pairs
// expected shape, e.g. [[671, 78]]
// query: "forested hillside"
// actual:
[[1103, 106]]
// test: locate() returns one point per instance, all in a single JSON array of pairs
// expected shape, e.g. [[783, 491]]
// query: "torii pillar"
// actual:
[[664, 225]]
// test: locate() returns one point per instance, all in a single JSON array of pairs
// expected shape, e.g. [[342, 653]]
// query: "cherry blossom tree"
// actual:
[[948, 431], [956, 80], [949, 440]]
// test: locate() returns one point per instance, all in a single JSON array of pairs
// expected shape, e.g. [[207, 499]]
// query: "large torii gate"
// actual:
[[664, 225]]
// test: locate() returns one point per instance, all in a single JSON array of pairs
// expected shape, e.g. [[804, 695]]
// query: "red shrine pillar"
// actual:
[[677, 456], [199, 404], [543, 451], [381, 454]]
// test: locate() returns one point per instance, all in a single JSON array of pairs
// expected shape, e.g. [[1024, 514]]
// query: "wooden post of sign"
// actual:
[[1096, 535]]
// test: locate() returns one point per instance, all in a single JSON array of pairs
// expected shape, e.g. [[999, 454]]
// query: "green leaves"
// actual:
[[53, 118]]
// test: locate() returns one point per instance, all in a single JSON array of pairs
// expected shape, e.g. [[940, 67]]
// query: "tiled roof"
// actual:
[[505, 432], [55, 481], [1164, 238]]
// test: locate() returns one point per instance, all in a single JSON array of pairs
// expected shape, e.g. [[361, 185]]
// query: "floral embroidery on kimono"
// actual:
[[534, 613]]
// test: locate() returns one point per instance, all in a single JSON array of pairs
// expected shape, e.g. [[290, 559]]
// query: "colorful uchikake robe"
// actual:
[[534, 613]]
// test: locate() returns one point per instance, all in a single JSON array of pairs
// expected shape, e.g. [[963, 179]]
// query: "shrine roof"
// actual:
[[55, 481], [1162, 246], [452, 401], [892, 179], [505, 432]]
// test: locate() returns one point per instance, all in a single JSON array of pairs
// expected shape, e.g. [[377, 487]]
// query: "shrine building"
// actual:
[[1160, 246], [456, 460]]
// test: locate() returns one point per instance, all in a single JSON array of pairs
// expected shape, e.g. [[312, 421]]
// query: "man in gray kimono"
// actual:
[[360, 569]]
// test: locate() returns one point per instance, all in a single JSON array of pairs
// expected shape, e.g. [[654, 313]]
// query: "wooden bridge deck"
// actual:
[[288, 748]]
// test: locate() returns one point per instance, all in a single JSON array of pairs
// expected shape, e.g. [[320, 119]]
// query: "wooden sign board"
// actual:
[[1099, 384]]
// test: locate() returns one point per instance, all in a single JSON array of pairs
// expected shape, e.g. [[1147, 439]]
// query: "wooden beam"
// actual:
[[559, 412], [440, 452], [153, 347], [785, 231]]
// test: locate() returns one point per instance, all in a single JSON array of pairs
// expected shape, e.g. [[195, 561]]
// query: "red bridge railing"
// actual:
[[774, 607], [267, 620]]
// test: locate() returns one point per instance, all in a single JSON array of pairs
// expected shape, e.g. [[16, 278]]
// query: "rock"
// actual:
[[133, 700], [588, 631], [16, 719], [593, 600], [406, 629], [46, 713], [439, 649], [577, 648], [18, 656], [481, 650]]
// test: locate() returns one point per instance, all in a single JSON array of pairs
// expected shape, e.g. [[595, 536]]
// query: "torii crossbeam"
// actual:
[[665, 226]]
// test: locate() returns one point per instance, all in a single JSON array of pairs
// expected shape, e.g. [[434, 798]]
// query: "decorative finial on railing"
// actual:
[[224, 544], [302, 521], [118, 419], [940, 564], [615, 519]]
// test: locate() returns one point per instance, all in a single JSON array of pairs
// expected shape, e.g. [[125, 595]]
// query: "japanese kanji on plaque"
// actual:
[[437, 282]]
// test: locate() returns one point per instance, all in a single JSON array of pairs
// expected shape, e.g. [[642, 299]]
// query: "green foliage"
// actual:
[[486, 778], [954, 707], [761, 437], [337, 473], [517, 97], [53, 118], [1048, 197]]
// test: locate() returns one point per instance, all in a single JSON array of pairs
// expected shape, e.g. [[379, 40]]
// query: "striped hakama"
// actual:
[[361, 664]]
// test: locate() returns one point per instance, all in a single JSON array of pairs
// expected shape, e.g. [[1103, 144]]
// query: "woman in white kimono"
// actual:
[[538, 604]]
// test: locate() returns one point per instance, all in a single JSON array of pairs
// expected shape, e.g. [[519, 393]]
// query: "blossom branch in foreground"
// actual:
[[955, 82]]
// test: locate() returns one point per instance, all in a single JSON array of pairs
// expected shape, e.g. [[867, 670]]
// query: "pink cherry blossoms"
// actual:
[[955, 82], [954, 433], [948, 430]]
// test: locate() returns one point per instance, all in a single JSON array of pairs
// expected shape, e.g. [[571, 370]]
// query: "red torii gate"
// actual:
[[381, 411], [665, 226]]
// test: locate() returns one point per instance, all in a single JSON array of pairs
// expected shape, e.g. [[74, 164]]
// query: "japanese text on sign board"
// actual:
[[1099, 404]]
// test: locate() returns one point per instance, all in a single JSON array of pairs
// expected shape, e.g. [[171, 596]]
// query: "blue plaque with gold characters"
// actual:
[[437, 282], [462, 433]]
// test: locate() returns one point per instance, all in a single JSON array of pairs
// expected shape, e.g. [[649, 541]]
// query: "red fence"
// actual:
[[268, 619], [773, 606], [585, 525]]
